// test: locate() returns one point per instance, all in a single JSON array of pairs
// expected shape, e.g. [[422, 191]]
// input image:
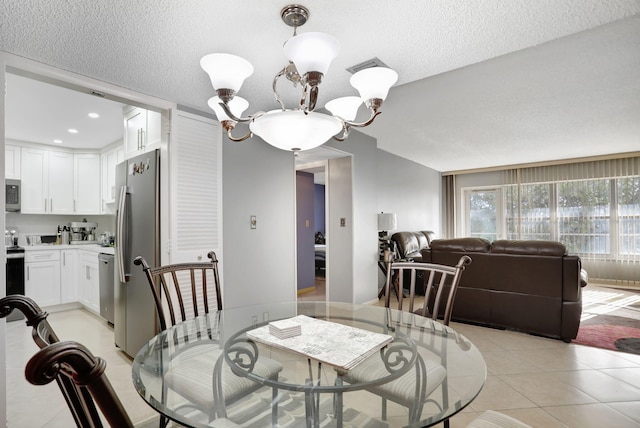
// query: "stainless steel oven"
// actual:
[[15, 276], [12, 195]]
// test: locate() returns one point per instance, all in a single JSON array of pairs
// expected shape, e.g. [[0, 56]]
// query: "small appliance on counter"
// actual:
[[83, 232]]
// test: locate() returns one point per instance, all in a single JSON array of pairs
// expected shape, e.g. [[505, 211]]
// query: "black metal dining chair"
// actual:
[[80, 376], [413, 388], [182, 291]]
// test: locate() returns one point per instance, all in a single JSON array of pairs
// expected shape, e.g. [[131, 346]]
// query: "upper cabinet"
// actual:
[[12, 161], [86, 168], [110, 159], [59, 182], [141, 131], [47, 181]]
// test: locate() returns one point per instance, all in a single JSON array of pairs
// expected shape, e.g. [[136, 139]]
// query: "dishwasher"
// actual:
[[106, 275]]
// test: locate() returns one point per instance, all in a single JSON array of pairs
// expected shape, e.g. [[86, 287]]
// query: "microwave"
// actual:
[[12, 195]]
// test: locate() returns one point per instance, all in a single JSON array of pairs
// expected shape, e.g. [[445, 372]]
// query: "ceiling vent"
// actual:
[[373, 62]]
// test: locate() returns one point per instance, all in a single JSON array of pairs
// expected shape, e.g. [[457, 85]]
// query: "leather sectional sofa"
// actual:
[[530, 286], [409, 244]]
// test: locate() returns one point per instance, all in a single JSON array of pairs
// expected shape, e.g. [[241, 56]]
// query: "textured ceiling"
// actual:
[[482, 83]]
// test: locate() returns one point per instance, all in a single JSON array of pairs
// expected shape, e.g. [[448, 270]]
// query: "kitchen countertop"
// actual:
[[90, 247]]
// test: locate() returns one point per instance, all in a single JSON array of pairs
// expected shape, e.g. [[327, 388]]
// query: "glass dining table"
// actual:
[[185, 370]]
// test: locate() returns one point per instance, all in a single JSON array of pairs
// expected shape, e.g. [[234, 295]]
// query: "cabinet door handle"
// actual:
[[142, 142], [45, 204], [87, 272], [51, 204], [139, 139], [28, 272], [64, 259]]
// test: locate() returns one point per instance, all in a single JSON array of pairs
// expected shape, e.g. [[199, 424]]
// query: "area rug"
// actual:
[[255, 412], [610, 320]]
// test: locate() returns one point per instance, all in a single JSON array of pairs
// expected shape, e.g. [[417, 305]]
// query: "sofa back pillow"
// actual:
[[529, 248]]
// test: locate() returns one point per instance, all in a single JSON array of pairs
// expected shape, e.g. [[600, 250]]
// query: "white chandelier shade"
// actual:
[[295, 130], [344, 107], [237, 106], [312, 51], [374, 82], [226, 71]]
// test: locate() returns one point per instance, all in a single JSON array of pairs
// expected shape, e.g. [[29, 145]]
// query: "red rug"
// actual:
[[611, 319], [614, 337]]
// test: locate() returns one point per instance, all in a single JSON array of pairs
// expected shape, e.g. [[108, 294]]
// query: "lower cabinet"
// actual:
[[88, 280], [54, 277], [42, 277], [68, 276]]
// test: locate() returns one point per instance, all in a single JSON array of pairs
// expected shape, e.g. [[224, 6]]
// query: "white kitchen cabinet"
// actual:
[[86, 183], [47, 181], [42, 276], [12, 165], [89, 280], [110, 160], [68, 276], [142, 131]]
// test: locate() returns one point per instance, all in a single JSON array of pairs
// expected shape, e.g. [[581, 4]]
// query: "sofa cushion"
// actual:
[[531, 248], [409, 244], [478, 245]]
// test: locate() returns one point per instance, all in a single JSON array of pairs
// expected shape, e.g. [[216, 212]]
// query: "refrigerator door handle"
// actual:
[[122, 232]]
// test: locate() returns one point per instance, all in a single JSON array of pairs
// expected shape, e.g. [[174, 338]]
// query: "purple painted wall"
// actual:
[[319, 199], [305, 234]]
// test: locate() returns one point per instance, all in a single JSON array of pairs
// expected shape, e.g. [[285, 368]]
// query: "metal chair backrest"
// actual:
[[72, 363], [183, 290], [73, 385], [437, 279]]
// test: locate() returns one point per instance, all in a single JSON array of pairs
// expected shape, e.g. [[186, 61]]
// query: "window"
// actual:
[[531, 218], [628, 207], [482, 215], [584, 216]]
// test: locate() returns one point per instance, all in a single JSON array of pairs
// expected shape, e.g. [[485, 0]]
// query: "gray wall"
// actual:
[[410, 190], [259, 264]]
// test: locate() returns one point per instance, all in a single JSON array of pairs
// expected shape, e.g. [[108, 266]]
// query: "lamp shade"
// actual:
[[295, 130], [237, 106], [374, 82], [386, 221], [226, 71], [312, 51], [344, 107]]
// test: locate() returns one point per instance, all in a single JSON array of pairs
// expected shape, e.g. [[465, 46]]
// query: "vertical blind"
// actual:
[[592, 207]]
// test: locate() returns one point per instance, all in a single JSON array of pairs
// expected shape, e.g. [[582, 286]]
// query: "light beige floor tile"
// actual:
[[498, 395], [544, 389], [627, 375], [550, 360], [599, 385], [600, 358], [630, 409], [501, 362], [591, 416]]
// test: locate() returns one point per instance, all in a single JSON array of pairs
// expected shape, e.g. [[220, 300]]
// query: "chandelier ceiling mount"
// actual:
[[300, 128]]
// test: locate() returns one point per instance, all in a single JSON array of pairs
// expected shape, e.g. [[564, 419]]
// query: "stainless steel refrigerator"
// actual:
[[137, 234]]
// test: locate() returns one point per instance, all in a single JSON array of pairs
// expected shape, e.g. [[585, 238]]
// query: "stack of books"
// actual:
[[283, 329]]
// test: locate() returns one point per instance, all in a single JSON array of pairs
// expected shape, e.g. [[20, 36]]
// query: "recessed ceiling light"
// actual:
[[72, 131], [94, 115], [57, 141]]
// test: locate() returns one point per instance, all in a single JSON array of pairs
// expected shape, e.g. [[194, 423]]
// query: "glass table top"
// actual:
[[429, 371]]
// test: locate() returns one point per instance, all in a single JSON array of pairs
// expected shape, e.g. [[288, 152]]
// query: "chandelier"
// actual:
[[300, 128]]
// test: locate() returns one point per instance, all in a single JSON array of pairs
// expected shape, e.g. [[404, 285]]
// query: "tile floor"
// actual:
[[543, 382]]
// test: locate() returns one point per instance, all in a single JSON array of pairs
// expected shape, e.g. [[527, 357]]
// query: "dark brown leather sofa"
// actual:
[[409, 244], [530, 286]]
